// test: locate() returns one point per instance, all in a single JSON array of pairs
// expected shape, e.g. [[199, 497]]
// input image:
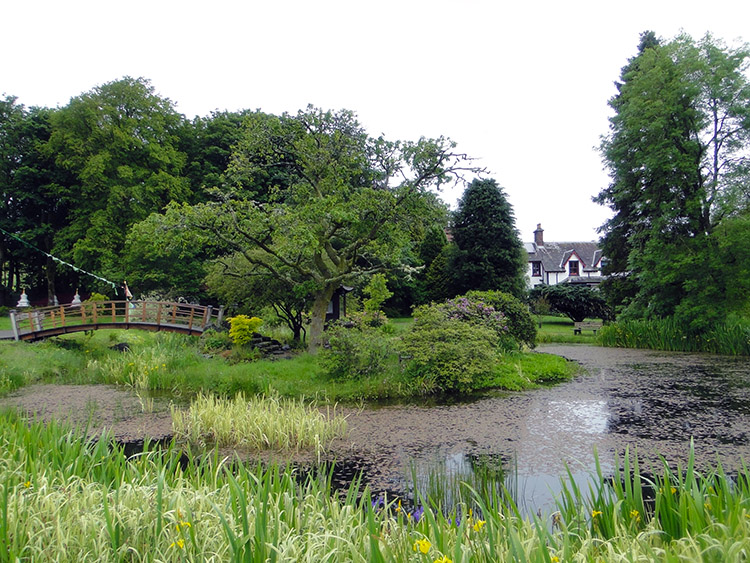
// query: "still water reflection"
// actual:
[[650, 402]]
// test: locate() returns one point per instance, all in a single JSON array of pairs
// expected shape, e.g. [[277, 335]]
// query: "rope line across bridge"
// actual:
[[43, 322]]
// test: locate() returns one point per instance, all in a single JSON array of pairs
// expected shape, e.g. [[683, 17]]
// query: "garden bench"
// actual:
[[586, 325]]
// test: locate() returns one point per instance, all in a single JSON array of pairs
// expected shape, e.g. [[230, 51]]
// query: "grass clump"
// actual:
[[259, 423], [730, 338]]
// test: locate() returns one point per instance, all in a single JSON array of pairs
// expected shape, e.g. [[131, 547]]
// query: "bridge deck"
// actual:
[[36, 324]]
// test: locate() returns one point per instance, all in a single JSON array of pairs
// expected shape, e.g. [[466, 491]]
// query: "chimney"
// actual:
[[539, 235]]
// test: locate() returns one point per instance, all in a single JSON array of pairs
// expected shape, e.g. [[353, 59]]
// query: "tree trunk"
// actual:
[[317, 324], [4, 289], [50, 271]]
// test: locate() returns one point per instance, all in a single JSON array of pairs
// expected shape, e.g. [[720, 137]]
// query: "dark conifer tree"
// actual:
[[490, 253]]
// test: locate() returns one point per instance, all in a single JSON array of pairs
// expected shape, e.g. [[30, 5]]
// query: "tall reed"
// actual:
[[261, 422], [667, 334], [66, 498]]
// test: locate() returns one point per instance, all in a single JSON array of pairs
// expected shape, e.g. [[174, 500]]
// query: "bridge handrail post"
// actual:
[[207, 316], [192, 316], [220, 316], [158, 314], [14, 324]]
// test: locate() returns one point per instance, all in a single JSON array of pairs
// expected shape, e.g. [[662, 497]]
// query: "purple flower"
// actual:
[[418, 513]]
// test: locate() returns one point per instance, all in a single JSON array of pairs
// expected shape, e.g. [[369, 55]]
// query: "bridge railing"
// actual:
[[151, 315]]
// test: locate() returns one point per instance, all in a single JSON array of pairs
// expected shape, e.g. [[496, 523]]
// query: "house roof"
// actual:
[[554, 255]]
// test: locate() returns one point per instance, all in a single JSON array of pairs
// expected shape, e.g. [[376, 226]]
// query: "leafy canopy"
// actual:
[[317, 201]]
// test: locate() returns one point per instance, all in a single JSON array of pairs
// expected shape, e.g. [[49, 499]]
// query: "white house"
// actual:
[[563, 262]]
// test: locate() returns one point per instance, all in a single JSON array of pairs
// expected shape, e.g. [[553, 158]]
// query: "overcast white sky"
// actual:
[[521, 86]]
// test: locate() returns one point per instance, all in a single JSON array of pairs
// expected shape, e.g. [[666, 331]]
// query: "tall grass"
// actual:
[[667, 334], [258, 423], [64, 498]]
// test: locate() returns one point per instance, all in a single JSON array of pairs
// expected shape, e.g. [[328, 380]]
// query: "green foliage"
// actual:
[[731, 338], [232, 279], [677, 155], [97, 297], [117, 145], [377, 292], [357, 350], [439, 279], [213, 341], [490, 253], [165, 262], [257, 423], [451, 348], [243, 328], [520, 323], [341, 201], [576, 301]]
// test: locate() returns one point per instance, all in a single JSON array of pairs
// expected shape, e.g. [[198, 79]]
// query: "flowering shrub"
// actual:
[[242, 328], [517, 316], [478, 313]]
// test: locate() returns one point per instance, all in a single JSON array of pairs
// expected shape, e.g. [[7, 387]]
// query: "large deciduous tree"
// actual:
[[30, 209], [119, 143], [677, 153], [490, 253], [335, 204]]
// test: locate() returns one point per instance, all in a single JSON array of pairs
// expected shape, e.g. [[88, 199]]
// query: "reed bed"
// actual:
[[667, 334], [65, 498], [258, 423]]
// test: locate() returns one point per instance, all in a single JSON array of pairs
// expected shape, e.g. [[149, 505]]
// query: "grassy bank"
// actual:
[[175, 363], [63, 498]]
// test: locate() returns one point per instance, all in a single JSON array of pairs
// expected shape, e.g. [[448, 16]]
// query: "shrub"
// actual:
[[452, 346], [243, 328], [576, 301], [213, 341], [377, 292], [477, 312], [356, 350], [520, 322]]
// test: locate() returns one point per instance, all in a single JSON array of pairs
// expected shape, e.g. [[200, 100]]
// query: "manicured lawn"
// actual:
[[560, 329]]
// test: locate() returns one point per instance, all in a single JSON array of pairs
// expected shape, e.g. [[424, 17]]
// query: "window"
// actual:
[[573, 267], [536, 269]]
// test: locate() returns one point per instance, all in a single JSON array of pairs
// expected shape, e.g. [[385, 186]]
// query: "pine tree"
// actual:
[[490, 253]]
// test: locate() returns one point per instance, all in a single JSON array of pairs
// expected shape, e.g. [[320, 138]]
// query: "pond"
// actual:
[[650, 402]]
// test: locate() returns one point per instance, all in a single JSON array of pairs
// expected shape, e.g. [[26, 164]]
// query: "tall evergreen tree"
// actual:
[[677, 154], [490, 253]]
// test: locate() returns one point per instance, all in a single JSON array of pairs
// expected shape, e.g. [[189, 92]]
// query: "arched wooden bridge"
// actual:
[[43, 322]]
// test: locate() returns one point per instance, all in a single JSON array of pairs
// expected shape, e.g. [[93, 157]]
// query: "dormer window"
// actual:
[[573, 268]]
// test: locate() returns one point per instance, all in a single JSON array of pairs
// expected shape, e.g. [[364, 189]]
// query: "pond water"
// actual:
[[650, 402]]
